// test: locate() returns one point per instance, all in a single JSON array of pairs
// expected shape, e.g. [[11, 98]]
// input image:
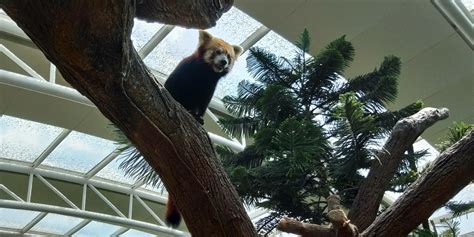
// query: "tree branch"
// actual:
[[340, 225], [451, 171], [89, 42], [187, 13], [404, 134]]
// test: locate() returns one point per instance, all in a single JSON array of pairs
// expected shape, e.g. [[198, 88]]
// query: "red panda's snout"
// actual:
[[219, 60]]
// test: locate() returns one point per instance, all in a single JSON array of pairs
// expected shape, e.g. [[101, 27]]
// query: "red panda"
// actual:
[[193, 82]]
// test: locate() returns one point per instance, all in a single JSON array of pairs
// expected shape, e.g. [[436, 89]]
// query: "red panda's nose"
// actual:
[[223, 62]]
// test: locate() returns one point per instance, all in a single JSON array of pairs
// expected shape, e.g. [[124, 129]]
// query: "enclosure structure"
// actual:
[[46, 175]]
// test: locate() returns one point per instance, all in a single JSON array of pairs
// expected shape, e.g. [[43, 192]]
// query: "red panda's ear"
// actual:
[[204, 37], [237, 50]]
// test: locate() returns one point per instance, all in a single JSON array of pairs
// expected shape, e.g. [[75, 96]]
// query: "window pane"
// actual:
[[234, 27], [136, 233], [142, 32], [15, 219], [79, 152], [278, 45], [112, 172], [97, 229], [178, 44], [56, 224], [24, 140]]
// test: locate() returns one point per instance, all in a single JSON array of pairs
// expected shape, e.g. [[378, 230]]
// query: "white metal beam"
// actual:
[[20, 63], [9, 192], [56, 191], [77, 228], [254, 38], [151, 212], [155, 40], [72, 177], [33, 222], [106, 200], [28, 83], [97, 168], [52, 73], [151, 228]]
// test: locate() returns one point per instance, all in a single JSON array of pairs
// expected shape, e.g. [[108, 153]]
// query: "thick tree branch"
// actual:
[[89, 42], [187, 13], [404, 134], [340, 225], [451, 171]]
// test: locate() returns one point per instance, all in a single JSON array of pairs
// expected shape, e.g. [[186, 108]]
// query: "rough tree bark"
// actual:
[[404, 133], [89, 42], [452, 170], [190, 13]]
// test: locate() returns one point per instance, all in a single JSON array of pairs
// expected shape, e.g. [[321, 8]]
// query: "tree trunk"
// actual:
[[89, 42], [404, 133], [451, 171]]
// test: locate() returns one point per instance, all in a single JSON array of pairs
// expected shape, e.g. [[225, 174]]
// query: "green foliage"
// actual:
[[459, 208], [313, 131], [455, 133]]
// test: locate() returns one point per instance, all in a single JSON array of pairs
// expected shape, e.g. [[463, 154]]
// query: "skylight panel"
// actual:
[[56, 224], [469, 4], [136, 233], [95, 228], [278, 45], [24, 140], [79, 152], [179, 43], [233, 27], [112, 172], [14, 218], [142, 32]]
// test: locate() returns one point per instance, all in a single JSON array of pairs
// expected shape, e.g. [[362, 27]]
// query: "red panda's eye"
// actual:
[[218, 51]]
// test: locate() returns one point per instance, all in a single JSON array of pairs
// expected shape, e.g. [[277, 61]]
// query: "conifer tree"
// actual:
[[313, 131]]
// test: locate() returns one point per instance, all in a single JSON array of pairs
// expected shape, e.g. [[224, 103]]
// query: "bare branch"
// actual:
[[404, 134], [340, 225], [451, 171]]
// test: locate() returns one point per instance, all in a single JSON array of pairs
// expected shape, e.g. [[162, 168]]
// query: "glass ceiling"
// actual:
[[23, 140], [469, 4]]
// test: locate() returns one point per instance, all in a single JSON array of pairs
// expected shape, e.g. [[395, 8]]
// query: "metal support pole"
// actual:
[[33, 222], [20, 63], [152, 213], [130, 206], [155, 40], [84, 197], [57, 192], [77, 228], [115, 220], [30, 188], [52, 73], [110, 204], [254, 37]]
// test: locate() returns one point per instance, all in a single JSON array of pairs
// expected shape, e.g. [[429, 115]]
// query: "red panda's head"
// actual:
[[219, 54]]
